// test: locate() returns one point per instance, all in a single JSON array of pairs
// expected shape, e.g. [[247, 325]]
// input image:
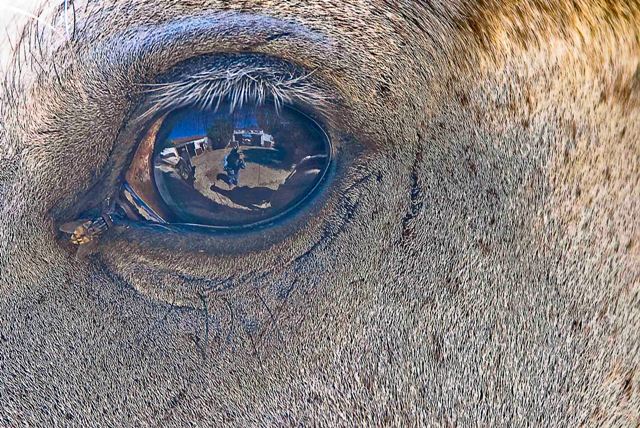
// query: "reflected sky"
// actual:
[[193, 122]]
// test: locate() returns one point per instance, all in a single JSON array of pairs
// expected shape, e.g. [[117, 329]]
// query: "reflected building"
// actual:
[[252, 137], [178, 157]]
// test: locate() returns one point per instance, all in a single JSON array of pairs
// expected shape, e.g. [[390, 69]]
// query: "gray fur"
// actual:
[[477, 263]]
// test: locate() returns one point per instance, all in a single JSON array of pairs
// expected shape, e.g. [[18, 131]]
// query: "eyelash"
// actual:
[[238, 78]]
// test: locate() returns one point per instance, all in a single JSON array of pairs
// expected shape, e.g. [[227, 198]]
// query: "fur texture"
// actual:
[[476, 260]]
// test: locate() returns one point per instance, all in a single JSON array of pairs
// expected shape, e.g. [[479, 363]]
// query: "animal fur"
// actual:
[[475, 260]]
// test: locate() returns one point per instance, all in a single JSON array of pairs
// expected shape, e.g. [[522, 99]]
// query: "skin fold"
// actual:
[[474, 260]]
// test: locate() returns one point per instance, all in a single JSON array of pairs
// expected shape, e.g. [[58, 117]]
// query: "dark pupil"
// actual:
[[216, 168]]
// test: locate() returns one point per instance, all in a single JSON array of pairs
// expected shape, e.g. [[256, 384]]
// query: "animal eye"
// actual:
[[226, 166], [220, 142]]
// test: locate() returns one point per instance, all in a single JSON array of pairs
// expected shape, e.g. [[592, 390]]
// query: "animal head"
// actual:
[[471, 258]]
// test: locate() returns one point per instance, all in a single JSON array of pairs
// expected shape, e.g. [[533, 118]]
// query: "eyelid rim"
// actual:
[[135, 127], [151, 112]]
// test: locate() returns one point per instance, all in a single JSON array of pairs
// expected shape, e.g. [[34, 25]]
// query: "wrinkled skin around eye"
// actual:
[[477, 265]]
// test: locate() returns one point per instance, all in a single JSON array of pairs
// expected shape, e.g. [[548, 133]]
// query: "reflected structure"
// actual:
[[216, 168]]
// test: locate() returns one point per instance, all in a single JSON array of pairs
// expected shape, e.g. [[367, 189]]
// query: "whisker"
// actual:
[[66, 16], [18, 11]]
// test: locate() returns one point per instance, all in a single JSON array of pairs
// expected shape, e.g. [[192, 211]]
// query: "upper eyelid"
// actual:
[[211, 33], [220, 33]]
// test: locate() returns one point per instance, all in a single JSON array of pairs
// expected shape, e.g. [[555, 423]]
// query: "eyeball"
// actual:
[[226, 168]]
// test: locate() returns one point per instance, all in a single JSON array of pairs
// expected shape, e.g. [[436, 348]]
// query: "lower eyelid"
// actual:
[[185, 255]]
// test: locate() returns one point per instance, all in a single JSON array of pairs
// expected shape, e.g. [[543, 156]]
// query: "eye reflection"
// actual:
[[216, 168]]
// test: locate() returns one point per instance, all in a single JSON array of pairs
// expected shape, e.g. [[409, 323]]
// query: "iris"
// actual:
[[227, 168]]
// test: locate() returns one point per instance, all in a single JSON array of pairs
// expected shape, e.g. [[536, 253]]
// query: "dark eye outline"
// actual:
[[115, 169]]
